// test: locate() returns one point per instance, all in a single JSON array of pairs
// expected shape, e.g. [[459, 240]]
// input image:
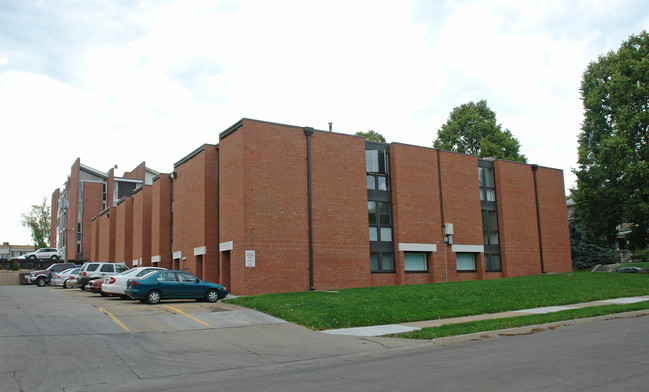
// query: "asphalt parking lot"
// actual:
[[53, 339]]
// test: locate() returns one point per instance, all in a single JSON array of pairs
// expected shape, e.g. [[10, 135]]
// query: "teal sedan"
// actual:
[[160, 285]]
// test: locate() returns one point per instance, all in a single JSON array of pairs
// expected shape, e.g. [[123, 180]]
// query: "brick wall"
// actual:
[[107, 231], [196, 226], [232, 211], [53, 217], [461, 200], [519, 241], [124, 231], [416, 208], [142, 226], [554, 221], [161, 220], [340, 224], [73, 205], [92, 205]]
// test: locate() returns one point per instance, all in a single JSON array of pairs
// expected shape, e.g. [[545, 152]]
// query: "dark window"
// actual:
[[489, 207], [490, 227], [487, 184], [92, 267], [382, 261], [377, 165], [492, 263], [107, 268], [380, 220]]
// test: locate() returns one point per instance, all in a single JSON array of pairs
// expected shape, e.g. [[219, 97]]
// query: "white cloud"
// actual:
[[121, 83]]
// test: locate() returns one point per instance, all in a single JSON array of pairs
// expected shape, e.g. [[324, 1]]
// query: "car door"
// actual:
[[189, 287], [168, 284]]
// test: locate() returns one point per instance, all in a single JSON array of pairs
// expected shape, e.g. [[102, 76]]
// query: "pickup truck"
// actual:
[[43, 278]]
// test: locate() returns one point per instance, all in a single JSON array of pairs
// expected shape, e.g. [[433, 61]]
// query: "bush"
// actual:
[[586, 256], [643, 255]]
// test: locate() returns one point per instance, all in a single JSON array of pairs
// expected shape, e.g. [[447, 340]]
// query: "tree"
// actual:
[[613, 151], [38, 221], [371, 136], [472, 129], [586, 255]]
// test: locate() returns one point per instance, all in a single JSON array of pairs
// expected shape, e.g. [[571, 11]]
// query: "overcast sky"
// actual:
[[121, 82]]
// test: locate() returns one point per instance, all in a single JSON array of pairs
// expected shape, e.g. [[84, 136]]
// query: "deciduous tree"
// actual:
[[371, 136], [38, 221], [613, 162], [472, 129]]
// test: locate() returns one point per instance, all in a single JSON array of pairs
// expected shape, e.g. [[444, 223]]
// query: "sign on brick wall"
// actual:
[[250, 258]]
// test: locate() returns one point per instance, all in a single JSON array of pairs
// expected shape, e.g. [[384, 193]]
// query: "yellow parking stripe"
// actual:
[[191, 317], [115, 319]]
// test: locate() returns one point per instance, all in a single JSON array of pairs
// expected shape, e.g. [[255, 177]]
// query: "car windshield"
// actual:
[[146, 271], [128, 272], [69, 270]]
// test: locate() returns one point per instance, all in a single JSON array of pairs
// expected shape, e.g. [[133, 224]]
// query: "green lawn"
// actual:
[[520, 321], [396, 304]]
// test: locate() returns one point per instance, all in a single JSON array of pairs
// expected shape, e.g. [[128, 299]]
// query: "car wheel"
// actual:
[[212, 295], [40, 282], [54, 257], [153, 297], [103, 294], [65, 284], [32, 257]]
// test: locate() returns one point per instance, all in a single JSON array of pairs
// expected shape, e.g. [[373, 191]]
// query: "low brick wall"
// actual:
[[11, 277]]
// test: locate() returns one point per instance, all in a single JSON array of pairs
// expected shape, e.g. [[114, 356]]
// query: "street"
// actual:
[[53, 339]]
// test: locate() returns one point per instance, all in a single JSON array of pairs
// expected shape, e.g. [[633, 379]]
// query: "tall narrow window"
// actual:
[[489, 207], [379, 207]]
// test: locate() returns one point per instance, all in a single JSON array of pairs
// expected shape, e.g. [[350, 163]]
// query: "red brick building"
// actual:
[[276, 208]]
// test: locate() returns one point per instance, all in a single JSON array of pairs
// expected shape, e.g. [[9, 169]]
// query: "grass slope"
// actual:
[[396, 304]]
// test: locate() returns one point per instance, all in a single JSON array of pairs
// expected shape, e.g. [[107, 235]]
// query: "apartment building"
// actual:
[[277, 208]]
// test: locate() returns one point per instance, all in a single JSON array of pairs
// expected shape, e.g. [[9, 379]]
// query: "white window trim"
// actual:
[[177, 255], [201, 250], [467, 248], [225, 246], [407, 247], [156, 259]]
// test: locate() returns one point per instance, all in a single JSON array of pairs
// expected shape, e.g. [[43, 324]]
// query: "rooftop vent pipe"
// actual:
[[331, 127]]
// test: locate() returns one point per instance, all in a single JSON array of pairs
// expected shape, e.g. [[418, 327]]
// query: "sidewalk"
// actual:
[[379, 330]]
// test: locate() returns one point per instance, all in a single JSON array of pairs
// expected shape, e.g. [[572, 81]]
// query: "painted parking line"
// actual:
[[183, 313], [115, 319]]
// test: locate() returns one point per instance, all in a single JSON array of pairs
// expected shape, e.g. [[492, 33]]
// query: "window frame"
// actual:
[[475, 262], [415, 271], [380, 269]]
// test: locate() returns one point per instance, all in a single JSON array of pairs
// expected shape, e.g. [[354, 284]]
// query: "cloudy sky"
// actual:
[[121, 82]]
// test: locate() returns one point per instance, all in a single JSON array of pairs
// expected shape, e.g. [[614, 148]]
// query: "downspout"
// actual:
[[308, 131], [441, 204], [172, 177], [538, 216]]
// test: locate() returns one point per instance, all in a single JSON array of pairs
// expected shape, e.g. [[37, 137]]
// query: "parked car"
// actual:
[[116, 284], [42, 278], [629, 269], [92, 270], [43, 254], [62, 278], [94, 286], [161, 285]]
